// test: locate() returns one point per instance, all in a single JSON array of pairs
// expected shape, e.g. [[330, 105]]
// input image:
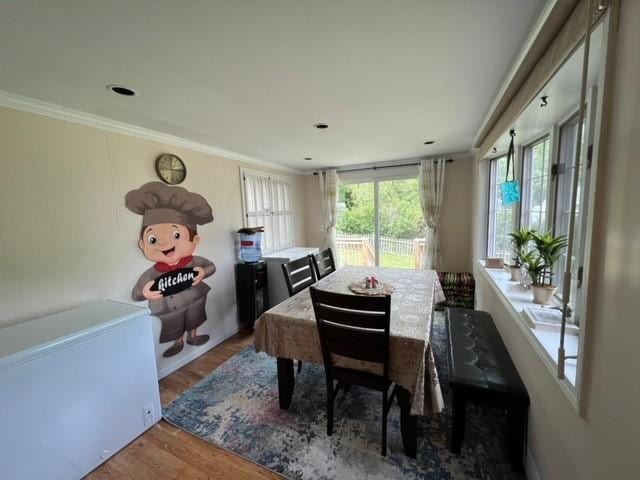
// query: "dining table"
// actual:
[[288, 332]]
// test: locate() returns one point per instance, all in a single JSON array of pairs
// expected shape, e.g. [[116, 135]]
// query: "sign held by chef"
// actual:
[[169, 237]]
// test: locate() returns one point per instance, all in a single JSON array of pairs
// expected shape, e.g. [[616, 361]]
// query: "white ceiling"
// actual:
[[253, 76]]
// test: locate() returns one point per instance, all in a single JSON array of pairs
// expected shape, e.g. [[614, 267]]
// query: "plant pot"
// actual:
[[542, 294], [494, 262], [515, 274]]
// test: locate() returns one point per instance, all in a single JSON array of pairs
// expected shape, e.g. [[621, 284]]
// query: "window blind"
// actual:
[[267, 203]]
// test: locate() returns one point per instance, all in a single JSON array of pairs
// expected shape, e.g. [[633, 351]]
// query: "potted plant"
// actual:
[[519, 240], [535, 268], [540, 265]]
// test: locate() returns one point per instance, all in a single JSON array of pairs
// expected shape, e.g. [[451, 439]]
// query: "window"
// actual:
[[570, 179], [535, 185], [267, 203], [500, 216], [546, 202], [380, 221], [564, 177]]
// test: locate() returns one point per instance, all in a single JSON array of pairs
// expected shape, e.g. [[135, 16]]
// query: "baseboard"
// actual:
[[531, 468], [195, 354]]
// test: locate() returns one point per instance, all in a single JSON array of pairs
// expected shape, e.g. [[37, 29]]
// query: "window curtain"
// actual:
[[431, 190], [329, 194]]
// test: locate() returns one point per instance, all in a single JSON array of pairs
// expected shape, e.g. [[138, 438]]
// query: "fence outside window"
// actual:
[[360, 250]]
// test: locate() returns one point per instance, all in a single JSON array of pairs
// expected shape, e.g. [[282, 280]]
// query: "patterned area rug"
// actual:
[[236, 407]]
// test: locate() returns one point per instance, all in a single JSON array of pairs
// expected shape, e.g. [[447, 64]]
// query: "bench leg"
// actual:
[[458, 421], [516, 435]]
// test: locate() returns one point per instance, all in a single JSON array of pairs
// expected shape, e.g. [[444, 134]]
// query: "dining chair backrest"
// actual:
[[353, 326], [324, 263], [298, 275]]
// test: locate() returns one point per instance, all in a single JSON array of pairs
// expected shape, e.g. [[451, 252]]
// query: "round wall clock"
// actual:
[[171, 169]]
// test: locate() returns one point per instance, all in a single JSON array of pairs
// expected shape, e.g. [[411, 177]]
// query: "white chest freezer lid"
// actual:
[[289, 254], [23, 339]]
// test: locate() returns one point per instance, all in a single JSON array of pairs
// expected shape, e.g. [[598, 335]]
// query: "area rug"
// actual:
[[236, 407]]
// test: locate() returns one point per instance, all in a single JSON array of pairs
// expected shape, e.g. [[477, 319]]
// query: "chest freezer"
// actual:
[[75, 387]]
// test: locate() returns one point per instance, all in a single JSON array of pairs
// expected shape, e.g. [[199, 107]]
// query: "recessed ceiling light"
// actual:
[[308, 158], [321, 126], [121, 90], [429, 142]]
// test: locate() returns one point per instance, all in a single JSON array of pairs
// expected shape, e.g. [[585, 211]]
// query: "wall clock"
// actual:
[[171, 169]]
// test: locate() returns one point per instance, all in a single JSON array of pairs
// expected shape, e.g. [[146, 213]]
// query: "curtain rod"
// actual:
[[449, 160]]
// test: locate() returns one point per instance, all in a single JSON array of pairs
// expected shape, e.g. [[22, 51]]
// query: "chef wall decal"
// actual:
[[169, 237]]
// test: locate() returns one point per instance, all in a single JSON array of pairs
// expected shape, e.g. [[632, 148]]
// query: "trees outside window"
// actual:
[[401, 226]]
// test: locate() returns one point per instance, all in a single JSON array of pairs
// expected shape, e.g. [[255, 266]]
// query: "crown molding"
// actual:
[[39, 107]]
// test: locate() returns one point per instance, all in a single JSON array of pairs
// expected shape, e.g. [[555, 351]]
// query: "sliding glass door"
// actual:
[[356, 225], [380, 223], [402, 229]]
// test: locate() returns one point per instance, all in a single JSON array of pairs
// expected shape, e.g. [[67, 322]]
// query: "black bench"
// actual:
[[481, 371]]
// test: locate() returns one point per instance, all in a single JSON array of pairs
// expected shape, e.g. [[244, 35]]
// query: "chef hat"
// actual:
[[160, 203]]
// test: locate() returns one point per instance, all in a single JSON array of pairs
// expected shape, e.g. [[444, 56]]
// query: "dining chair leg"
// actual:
[[385, 411], [408, 423], [299, 366], [330, 399]]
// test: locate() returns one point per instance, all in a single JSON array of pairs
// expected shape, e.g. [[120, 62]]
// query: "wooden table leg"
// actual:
[[408, 423], [286, 382]]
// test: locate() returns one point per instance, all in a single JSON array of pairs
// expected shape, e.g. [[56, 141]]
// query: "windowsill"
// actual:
[[543, 336]]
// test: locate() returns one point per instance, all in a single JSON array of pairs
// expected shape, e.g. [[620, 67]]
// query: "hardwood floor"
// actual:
[[166, 452]]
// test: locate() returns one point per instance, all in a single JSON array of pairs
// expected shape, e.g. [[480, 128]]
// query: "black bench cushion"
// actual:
[[478, 357]]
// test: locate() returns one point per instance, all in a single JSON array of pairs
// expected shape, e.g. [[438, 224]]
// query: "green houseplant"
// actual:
[[520, 241], [534, 265], [540, 264]]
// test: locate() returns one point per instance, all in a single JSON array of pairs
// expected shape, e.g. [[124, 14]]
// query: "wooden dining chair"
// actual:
[[323, 263], [298, 275], [356, 327]]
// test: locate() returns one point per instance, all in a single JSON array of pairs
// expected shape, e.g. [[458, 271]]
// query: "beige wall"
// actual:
[[313, 212], [66, 235], [605, 443], [455, 219]]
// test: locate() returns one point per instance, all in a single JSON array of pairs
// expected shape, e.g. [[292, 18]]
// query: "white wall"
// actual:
[[605, 443], [67, 237]]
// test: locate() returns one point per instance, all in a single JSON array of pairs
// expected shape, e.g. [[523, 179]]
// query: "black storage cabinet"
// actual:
[[252, 292]]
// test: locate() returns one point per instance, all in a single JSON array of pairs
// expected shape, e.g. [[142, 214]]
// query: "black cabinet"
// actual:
[[251, 291]]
